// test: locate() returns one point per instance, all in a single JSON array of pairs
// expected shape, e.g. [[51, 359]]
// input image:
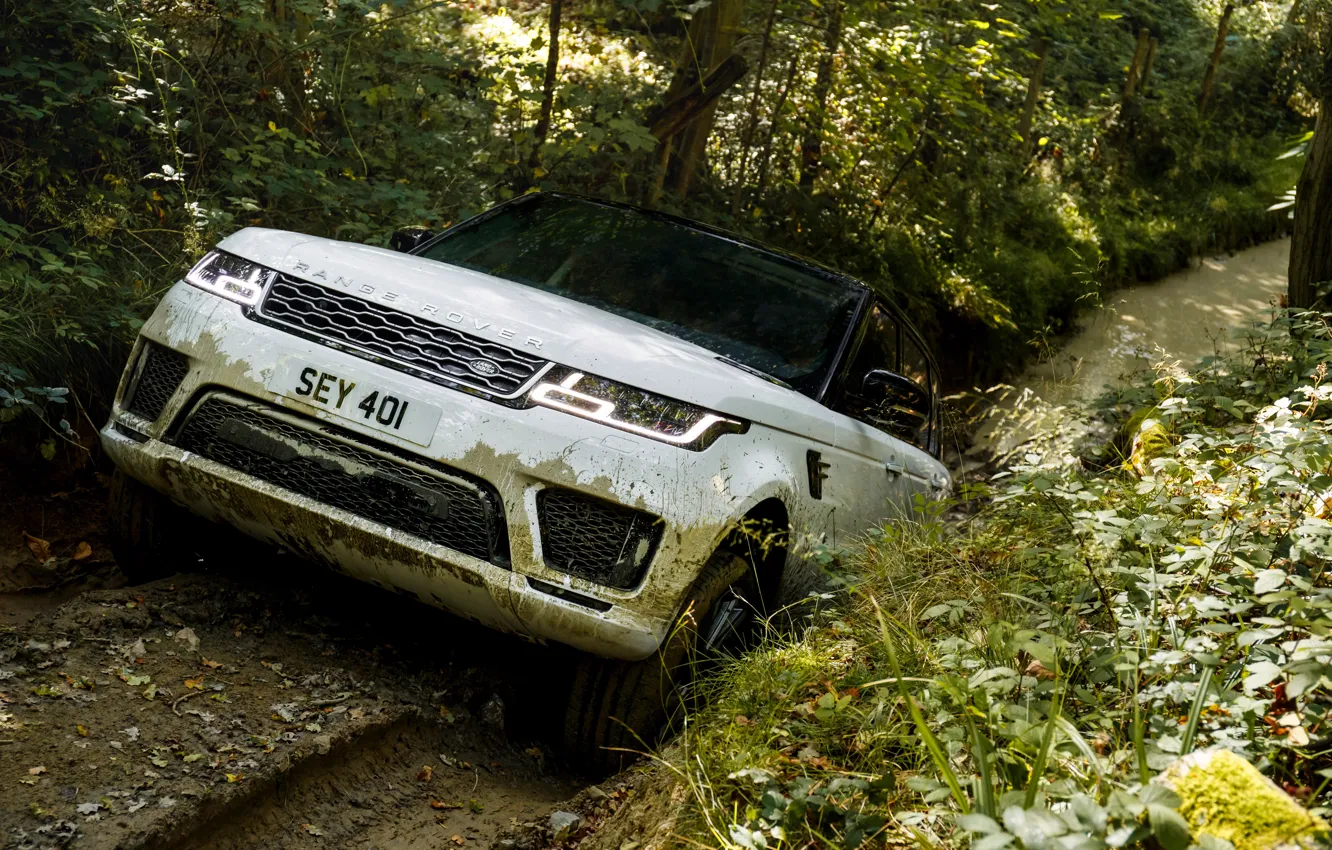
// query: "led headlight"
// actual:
[[232, 277], [634, 410]]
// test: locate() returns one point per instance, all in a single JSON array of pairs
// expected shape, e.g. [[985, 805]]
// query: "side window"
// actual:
[[902, 411], [916, 366], [878, 350]]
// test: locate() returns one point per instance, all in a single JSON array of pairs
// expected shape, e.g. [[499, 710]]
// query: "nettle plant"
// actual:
[[1020, 679], [1178, 606], [46, 404]]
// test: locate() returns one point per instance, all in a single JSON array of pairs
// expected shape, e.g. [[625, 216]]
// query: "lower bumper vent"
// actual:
[[158, 375], [317, 461], [599, 541]]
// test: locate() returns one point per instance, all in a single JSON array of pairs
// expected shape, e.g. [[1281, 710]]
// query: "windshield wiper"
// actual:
[[757, 372]]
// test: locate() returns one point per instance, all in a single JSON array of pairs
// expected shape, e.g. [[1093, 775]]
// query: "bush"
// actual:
[[1020, 678]]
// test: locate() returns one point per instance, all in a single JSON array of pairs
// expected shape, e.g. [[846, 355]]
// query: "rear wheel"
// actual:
[[146, 530], [618, 709]]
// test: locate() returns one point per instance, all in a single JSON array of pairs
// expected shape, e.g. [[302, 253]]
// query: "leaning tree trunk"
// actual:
[[1209, 77], [711, 37], [1033, 90], [752, 126], [1311, 237], [548, 90], [811, 150]]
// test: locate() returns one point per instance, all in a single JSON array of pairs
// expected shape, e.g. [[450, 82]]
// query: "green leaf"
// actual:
[[1169, 828]]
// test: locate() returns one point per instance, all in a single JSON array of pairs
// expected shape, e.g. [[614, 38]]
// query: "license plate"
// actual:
[[349, 395]]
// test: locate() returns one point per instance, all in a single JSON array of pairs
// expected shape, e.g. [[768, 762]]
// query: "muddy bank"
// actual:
[[269, 704]]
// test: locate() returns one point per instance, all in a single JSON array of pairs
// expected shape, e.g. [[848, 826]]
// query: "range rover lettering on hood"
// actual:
[[408, 304]]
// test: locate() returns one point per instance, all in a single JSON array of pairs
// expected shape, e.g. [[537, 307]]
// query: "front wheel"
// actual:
[[145, 530], [618, 709]]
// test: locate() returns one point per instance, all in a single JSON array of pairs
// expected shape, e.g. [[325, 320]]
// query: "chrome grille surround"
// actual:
[[405, 342], [357, 474]]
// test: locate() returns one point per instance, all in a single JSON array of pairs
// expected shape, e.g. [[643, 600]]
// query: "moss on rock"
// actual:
[[1226, 797]]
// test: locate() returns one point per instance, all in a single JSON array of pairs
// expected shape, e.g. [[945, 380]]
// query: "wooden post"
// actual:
[[1147, 66], [1033, 91], [1135, 67], [1209, 78]]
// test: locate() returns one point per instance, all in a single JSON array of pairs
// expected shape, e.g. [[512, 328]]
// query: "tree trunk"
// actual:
[[1209, 78], [1311, 237], [811, 150], [1147, 65], [765, 158], [710, 39], [752, 127], [548, 90], [1033, 91], [1136, 66]]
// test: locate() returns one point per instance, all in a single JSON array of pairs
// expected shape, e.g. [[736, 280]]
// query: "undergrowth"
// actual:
[[1019, 678]]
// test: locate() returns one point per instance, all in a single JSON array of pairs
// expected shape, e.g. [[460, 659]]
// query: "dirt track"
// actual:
[[253, 701]]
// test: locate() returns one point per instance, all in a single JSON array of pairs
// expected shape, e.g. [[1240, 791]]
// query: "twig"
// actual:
[[181, 699]]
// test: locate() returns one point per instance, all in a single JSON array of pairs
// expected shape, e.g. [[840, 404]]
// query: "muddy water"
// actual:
[[1184, 317]]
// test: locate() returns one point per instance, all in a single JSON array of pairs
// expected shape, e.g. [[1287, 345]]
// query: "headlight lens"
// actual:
[[232, 277], [635, 410]]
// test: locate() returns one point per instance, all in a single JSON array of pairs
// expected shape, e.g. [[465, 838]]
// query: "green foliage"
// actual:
[[1052, 654], [138, 135]]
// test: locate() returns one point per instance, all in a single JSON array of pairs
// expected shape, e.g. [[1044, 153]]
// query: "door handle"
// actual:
[[895, 467]]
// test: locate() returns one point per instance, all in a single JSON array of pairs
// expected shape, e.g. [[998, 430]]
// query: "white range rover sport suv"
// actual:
[[568, 419]]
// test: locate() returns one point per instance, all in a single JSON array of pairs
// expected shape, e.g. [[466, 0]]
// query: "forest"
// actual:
[[992, 167], [1037, 659]]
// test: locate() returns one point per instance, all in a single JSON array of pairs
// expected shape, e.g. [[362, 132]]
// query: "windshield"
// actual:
[[753, 307]]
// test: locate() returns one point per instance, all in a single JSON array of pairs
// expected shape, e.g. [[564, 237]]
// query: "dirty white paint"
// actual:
[[699, 496]]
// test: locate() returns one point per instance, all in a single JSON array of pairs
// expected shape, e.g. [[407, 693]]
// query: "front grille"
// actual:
[[373, 331], [602, 542], [318, 461], [157, 377]]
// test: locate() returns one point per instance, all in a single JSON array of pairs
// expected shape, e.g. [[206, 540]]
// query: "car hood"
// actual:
[[535, 322]]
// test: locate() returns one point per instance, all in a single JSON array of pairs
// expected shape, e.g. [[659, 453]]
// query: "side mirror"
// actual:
[[899, 403], [409, 239]]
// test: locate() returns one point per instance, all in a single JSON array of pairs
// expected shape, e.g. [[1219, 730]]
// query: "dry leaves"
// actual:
[[426, 773], [37, 771], [444, 805], [41, 549], [83, 550]]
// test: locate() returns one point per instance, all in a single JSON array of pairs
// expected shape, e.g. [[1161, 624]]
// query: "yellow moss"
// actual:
[[1226, 797], [1150, 439]]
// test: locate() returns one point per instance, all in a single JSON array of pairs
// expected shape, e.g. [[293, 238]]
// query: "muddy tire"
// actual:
[[145, 530], [618, 709]]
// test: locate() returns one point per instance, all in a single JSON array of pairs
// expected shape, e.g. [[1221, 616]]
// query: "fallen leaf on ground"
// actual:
[[444, 804], [189, 638], [1037, 670], [235, 777], [81, 729], [312, 829], [457, 839], [195, 684], [41, 550], [83, 550], [39, 769], [425, 774], [212, 665]]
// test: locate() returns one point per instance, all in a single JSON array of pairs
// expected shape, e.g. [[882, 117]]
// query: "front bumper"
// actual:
[[517, 451]]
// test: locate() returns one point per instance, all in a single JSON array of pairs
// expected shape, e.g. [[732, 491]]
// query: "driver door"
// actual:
[[881, 463]]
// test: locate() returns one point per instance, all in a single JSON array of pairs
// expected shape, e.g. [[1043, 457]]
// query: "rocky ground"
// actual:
[[252, 700]]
